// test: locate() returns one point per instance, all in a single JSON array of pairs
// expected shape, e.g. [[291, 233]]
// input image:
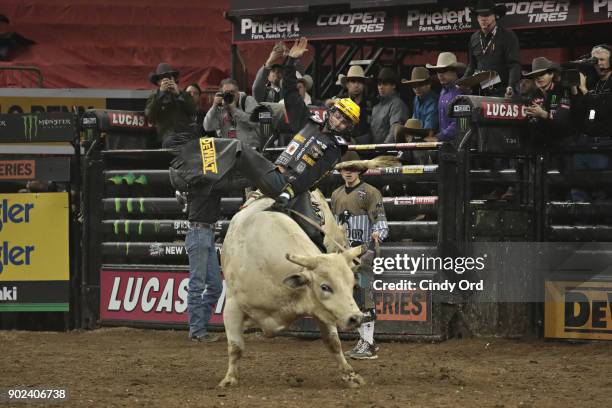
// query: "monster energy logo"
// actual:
[[30, 126], [129, 179]]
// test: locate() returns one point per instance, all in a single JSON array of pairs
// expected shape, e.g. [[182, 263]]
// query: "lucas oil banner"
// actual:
[[148, 296], [34, 263]]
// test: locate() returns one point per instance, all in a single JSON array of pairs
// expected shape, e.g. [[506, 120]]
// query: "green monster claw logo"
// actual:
[[129, 179], [129, 205], [30, 126]]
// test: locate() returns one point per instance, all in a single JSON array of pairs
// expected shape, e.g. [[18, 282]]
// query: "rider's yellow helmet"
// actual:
[[349, 109]]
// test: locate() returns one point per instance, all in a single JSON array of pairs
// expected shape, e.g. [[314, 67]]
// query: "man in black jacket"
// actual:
[[494, 48]]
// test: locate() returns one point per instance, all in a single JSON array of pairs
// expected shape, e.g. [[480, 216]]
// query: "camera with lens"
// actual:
[[228, 97]]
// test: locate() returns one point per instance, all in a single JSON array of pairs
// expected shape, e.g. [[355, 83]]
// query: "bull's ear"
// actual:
[[296, 281], [353, 253], [308, 262]]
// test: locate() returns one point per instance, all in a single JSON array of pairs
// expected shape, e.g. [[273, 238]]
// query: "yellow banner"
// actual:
[[24, 104], [578, 310], [34, 237]]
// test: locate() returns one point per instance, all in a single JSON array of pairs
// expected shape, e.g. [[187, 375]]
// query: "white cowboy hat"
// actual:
[[447, 60], [419, 76], [307, 79], [354, 72]]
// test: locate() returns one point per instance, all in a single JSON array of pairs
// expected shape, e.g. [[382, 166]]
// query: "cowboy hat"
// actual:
[[540, 65], [306, 79], [387, 75], [447, 60], [476, 79], [339, 81], [418, 77], [354, 72], [413, 127], [488, 7], [163, 70]]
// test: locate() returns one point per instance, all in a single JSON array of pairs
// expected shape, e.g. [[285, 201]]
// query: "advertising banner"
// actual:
[[45, 127], [597, 11], [148, 296], [353, 24], [437, 20], [25, 104], [407, 305], [34, 252], [414, 20], [39, 168], [578, 310]]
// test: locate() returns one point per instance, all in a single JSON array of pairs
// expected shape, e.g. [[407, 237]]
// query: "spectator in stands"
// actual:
[[595, 112], [447, 68], [354, 87], [267, 84], [304, 85], [549, 108], [230, 115], [196, 92], [170, 110], [390, 111], [359, 206], [494, 48], [425, 100]]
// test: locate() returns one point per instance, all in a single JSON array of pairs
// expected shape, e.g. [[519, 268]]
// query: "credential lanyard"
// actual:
[[484, 49]]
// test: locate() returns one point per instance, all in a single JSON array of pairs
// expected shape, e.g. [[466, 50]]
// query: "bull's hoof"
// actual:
[[228, 382], [353, 380]]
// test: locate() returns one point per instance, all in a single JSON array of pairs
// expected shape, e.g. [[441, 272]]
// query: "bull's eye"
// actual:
[[326, 288]]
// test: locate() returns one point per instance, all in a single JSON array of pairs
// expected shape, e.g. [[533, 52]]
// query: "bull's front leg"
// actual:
[[329, 335], [233, 319]]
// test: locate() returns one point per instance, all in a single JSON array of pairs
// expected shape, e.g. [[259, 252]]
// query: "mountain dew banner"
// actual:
[[37, 127]]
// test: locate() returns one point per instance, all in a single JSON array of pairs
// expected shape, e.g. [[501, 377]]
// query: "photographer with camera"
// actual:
[[230, 115], [170, 110]]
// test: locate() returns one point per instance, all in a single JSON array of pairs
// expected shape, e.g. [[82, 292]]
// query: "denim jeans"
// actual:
[[205, 284]]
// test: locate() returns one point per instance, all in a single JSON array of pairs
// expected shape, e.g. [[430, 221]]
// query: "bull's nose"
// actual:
[[355, 320]]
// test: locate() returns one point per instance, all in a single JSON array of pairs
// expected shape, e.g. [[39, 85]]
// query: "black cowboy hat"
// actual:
[[540, 65], [163, 70], [387, 75], [488, 7]]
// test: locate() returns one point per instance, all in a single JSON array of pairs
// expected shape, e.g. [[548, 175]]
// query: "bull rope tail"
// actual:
[[317, 226]]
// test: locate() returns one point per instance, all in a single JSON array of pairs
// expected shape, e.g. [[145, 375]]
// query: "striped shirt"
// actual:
[[361, 209]]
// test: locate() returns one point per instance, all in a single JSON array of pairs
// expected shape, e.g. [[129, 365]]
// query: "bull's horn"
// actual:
[[308, 262], [353, 253]]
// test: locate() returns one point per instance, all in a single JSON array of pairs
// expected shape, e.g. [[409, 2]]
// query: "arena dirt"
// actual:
[[130, 367]]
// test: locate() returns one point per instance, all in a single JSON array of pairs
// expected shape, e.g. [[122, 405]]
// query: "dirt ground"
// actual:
[[156, 368]]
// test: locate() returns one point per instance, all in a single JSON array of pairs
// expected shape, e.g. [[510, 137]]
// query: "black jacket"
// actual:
[[502, 56]]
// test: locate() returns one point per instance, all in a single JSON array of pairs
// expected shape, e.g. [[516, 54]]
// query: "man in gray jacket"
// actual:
[[267, 84], [230, 114], [390, 111]]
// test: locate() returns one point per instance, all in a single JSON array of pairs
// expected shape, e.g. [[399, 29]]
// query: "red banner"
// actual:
[[148, 296], [402, 305], [503, 110]]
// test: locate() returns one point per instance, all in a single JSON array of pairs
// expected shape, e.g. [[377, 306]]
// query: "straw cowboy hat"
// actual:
[[541, 65], [447, 60], [306, 79], [354, 72], [418, 77], [488, 7], [413, 127], [163, 70]]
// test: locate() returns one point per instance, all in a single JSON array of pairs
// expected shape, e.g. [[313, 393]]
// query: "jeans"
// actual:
[[205, 284]]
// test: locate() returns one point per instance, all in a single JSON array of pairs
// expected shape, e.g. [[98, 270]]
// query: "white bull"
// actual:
[[276, 275]]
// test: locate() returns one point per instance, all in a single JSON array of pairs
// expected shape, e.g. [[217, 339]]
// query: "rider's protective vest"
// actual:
[[310, 156]]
